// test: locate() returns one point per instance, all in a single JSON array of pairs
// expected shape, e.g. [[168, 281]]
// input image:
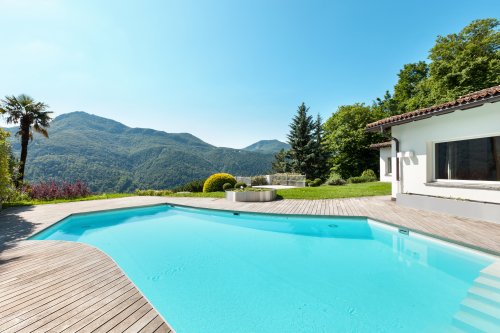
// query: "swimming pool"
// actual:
[[218, 271]]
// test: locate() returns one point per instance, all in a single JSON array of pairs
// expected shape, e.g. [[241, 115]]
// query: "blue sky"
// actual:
[[229, 72]]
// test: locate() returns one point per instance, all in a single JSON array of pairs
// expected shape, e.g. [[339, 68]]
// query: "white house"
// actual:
[[447, 157], [385, 160]]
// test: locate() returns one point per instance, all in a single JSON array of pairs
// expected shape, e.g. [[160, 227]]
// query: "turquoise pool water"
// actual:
[[212, 271]]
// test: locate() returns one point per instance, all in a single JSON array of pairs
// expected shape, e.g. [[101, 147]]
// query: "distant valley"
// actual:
[[111, 157]]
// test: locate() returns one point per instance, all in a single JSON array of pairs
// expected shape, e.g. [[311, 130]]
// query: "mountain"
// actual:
[[111, 157], [267, 146]]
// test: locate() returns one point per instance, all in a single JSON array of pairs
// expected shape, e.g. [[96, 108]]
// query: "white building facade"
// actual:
[[448, 157], [385, 160]]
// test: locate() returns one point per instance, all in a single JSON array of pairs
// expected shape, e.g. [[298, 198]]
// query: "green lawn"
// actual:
[[200, 195], [309, 193], [44, 202], [334, 192], [321, 192]]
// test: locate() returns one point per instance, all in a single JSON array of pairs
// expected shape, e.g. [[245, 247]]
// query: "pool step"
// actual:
[[481, 309], [473, 324], [484, 295], [492, 271], [487, 282]]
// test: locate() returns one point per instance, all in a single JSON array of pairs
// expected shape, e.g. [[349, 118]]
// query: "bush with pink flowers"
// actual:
[[51, 190]]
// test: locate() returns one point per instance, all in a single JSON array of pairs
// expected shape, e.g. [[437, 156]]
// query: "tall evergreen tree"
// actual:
[[320, 163], [301, 141]]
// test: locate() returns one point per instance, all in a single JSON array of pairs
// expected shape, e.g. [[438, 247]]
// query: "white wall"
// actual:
[[385, 153], [420, 136]]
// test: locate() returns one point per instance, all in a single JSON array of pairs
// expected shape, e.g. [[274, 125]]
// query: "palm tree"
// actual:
[[31, 116]]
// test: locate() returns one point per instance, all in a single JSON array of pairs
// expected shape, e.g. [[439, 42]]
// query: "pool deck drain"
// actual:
[[57, 286]]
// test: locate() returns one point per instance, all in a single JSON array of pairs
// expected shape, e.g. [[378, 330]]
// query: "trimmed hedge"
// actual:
[[215, 182], [227, 186]]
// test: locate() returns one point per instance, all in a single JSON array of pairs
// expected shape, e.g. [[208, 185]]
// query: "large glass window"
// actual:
[[475, 159]]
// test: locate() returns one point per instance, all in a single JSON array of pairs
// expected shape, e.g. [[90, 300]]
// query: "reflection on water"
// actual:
[[339, 227], [418, 251], [73, 227]]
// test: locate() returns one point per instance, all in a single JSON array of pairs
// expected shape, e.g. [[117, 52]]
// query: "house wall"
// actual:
[[385, 153], [420, 137]]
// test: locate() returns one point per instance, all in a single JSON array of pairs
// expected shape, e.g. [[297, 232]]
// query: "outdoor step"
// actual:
[[486, 282], [473, 324], [485, 295], [492, 271], [481, 309]]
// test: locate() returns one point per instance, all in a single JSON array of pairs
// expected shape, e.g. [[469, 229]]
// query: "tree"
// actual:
[[320, 160], [348, 142], [31, 116], [461, 63], [301, 142], [408, 85], [282, 163], [465, 62], [5, 180]]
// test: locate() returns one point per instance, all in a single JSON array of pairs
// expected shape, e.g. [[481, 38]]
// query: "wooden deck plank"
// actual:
[[129, 321], [82, 315], [122, 315], [38, 311], [81, 284], [40, 292], [153, 325]]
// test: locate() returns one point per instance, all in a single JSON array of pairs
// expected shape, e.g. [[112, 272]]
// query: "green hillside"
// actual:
[[267, 146], [111, 157]]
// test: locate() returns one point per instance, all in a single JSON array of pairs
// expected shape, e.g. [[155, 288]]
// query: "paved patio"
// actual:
[[56, 286]]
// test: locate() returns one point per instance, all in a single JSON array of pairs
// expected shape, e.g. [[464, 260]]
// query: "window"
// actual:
[[475, 159], [389, 165]]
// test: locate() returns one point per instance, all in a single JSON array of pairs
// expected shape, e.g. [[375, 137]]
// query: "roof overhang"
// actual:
[[464, 103]]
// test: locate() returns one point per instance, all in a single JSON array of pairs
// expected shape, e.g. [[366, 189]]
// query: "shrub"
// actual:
[[5, 183], [356, 180], [369, 173], [315, 183], [335, 179], [227, 186], [366, 177], [12, 194], [157, 193], [240, 185], [192, 186], [52, 190], [259, 180], [215, 182]]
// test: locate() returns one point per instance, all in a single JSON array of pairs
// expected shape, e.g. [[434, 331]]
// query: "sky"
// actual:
[[229, 72]]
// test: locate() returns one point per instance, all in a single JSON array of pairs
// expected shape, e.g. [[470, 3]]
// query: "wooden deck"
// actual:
[[56, 286]]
